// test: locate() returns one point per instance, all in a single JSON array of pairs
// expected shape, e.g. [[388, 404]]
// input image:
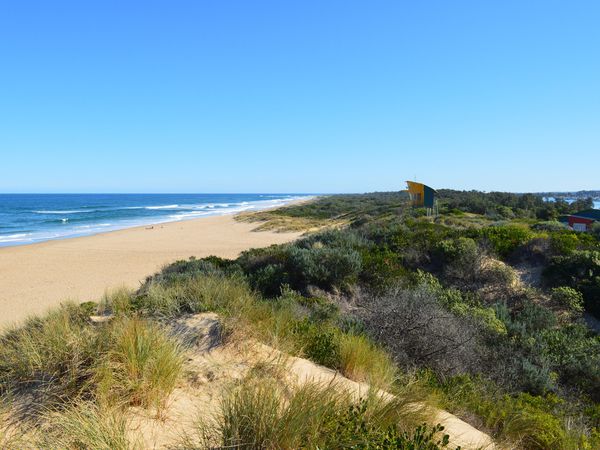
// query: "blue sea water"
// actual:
[[29, 218], [571, 200]]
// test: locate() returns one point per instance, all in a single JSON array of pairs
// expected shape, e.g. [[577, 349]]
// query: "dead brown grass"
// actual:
[[270, 221]]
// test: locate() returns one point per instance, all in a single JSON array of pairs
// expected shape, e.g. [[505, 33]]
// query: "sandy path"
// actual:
[[36, 277]]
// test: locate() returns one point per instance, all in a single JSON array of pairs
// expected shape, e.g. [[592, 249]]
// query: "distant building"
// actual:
[[422, 195], [583, 220]]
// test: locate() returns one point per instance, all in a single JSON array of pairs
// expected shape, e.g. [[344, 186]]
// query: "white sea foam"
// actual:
[[14, 237], [87, 227], [163, 207], [186, 215], [75, 211]]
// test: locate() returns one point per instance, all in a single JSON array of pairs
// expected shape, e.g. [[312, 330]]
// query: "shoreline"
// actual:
[[161, 221], [35, 277]]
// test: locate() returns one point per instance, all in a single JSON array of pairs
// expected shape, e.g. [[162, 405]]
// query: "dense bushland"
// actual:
[[481, 307], [448, 296]]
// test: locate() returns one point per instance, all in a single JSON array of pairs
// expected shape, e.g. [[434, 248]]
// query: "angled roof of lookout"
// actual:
[[421, 194]]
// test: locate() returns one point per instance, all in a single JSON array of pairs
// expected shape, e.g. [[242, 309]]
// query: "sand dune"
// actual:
[[36, 277]]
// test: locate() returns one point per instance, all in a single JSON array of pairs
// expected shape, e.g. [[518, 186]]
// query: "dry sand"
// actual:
[[35, 277]]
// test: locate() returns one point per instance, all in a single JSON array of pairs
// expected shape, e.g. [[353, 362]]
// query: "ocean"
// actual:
[[30, 218], [571, 200]]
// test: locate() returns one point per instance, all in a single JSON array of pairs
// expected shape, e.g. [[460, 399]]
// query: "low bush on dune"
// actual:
[[329, 263], [526, 421]]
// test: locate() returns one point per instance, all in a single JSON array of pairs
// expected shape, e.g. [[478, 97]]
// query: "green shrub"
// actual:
[[574, 353], [321, 343], [270, 279], [300, 267], [532, 318], [596, 230], [323, 267], [581, 271], [550, 225], [381, 268], [189, 268], [505, 239], [526, 420], [569, 298]]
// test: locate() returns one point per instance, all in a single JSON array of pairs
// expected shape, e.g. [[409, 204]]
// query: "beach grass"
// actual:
[[361, 360], [142, 366], [86, 425], [260, 413]]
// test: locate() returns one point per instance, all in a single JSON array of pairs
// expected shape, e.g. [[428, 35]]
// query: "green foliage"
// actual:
[[505, 239], [596, 230], [321, 343], [301, 265], [507, 205], [323, 267], [569, 298], [352, 207], [579, 270], [381, 268], [574, 352], [460, 249], [527, 420], [190, 268]]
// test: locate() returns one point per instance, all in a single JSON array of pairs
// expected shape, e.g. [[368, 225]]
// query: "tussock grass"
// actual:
[[12, 433], [117, 301], [361, 360], [85, 425], [142, 366], [63, 357], [194, 295], [54, 353], [261, 414], [244, 313]]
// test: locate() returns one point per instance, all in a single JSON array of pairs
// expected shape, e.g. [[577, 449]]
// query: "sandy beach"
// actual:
[[35, 277]]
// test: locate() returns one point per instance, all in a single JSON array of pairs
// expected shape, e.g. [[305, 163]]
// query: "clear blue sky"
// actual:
[[298, 96]]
